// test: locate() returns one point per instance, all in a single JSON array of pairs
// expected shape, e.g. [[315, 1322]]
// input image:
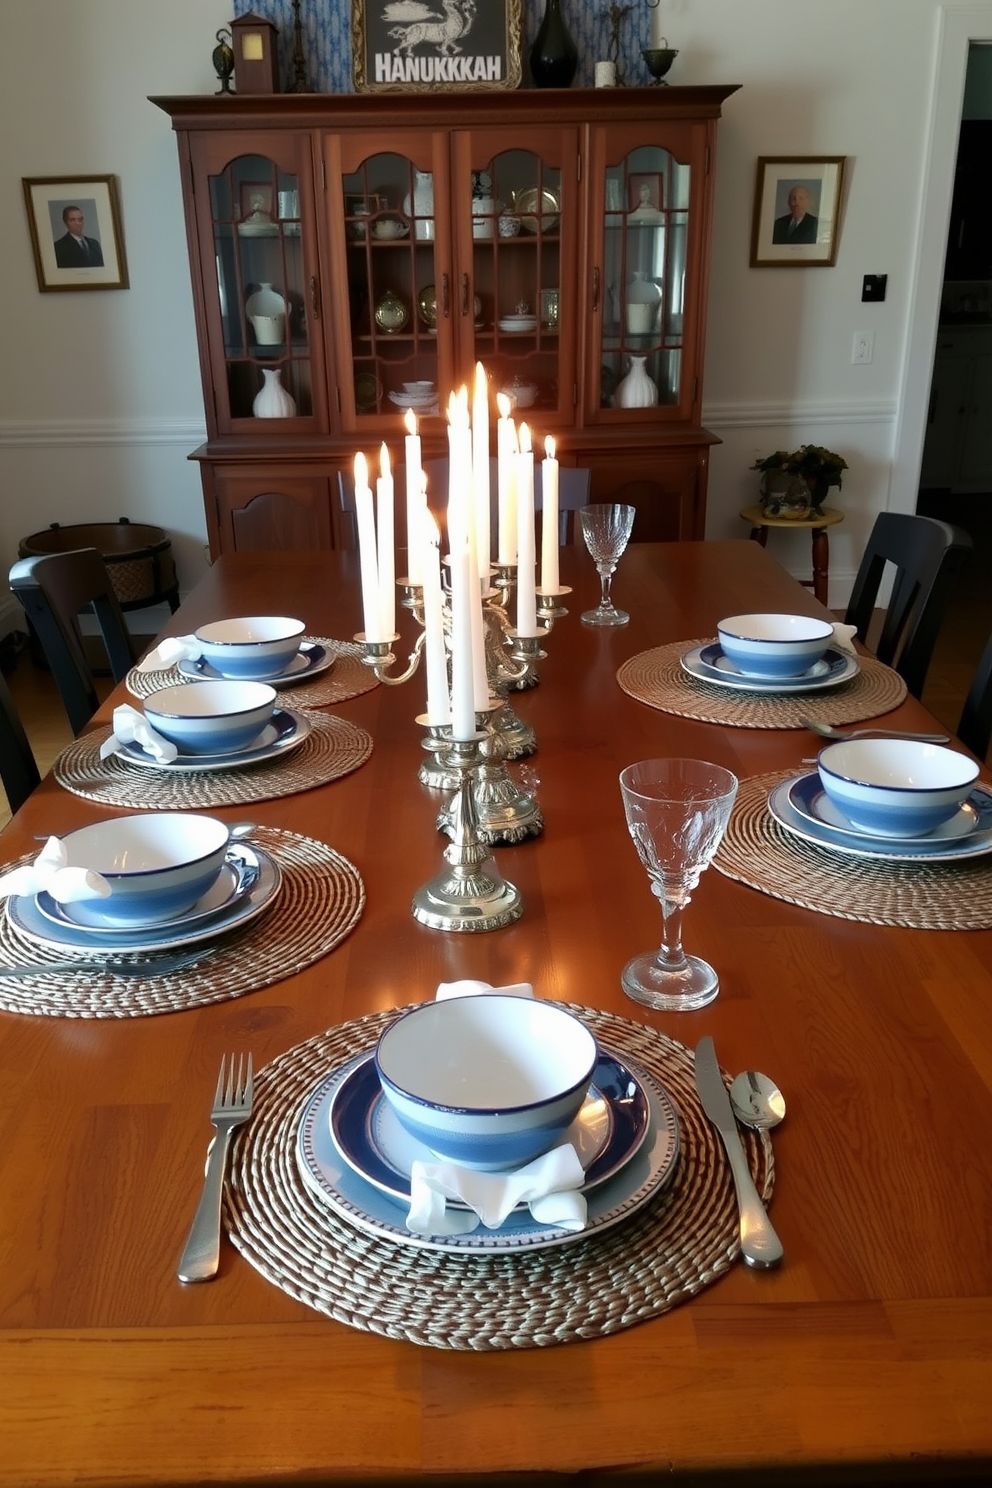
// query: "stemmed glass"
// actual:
[[606, 530], [677, 812]]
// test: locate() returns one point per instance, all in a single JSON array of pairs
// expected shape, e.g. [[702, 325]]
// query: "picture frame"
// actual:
[[646, 192], [474, 47], [90, 258], [803, 233], [256, 196]]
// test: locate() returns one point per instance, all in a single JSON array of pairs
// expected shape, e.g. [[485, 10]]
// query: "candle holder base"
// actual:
[[470, 896], [549, 606]]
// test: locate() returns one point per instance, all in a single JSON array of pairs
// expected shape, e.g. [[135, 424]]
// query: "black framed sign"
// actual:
[[435, 45]]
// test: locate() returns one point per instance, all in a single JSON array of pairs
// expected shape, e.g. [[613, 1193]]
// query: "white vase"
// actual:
[[422, 206], [272, 399], [637, 390], [265, 301], [643, 301]]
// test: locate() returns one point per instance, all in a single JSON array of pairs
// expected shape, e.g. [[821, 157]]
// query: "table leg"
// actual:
[[821, 563]]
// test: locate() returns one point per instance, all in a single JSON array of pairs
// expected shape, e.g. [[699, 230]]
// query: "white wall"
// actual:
[[99, 392]]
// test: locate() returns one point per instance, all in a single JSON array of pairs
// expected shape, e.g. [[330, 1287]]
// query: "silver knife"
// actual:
[[760, 1246]]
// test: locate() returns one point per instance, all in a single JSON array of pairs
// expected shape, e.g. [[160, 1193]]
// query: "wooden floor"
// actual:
[[963, 636]]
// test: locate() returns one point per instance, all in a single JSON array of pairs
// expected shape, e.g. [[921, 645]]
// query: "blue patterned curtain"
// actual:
[[327, 38]]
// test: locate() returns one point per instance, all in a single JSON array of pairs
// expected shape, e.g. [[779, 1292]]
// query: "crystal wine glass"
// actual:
[[606, 530], [677, 812]]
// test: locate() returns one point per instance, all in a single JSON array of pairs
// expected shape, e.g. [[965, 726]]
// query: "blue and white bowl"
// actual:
[[211, 717], [158, 864], [774, 646], [895, 787], [488, 1082], [256, 646]]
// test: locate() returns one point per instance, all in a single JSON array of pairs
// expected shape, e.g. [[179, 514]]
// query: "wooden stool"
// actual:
[[829, 517]]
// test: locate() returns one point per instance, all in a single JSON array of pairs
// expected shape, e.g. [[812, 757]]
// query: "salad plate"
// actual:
[[607, 1132], [237, 877], [812, 802], [932, 849], [285, 732], [311, 659], [708, 664], [25, 916], [335, 1183]]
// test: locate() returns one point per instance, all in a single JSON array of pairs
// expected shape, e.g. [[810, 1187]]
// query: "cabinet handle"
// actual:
[[595, 290], [464, 294], [445, 296], [314, 298]]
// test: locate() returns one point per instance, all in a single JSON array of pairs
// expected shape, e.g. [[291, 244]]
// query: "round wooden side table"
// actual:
[[817, 525]]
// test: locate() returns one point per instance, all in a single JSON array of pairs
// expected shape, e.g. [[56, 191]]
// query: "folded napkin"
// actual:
[[48, 873], [169, 651], [844, 637], [132, 727], [549, 1186]]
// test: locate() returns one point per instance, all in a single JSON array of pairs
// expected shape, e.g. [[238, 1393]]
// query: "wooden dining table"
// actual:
[[866, 1356]]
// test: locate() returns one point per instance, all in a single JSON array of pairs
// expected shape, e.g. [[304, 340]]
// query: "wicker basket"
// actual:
[[138, 557]]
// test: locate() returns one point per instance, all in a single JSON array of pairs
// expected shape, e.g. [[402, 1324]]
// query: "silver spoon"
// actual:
[[757, 1101], [827, 731]]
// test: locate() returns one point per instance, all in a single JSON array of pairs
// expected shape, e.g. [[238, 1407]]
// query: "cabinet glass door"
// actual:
[[395, 301], [643, 290], [261, 285]]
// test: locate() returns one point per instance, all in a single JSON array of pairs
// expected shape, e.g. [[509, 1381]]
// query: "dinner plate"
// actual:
[[311, 659], [367, 1133], [26, 917], [238, 875], [511, 325], [812, 802], [419, 405], [893, 849], [708, 664], [331, 1180], [286, 732]]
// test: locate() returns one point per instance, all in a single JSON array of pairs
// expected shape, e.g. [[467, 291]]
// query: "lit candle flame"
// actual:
[[384, 467], [410, 419], [503, 404], [549, 447]]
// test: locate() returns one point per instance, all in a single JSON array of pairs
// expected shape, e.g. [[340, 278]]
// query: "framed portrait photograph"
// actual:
[[797, 211], [645, 192], [414, 45], [76, 234]]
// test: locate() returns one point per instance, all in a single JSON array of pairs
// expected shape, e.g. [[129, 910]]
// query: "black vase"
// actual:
[[554, 55]]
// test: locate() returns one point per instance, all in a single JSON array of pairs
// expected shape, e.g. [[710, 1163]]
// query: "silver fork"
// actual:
[[232, 1107]]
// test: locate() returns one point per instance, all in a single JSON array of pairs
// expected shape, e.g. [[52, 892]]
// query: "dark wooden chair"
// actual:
[[975, 726], [925, 557], [18, 770], [54, 591]]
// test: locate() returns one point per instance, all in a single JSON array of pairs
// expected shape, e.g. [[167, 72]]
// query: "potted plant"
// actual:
[[796, 484]]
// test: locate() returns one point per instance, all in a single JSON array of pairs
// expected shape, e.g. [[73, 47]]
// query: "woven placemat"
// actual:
[[333, 747], [681, 1241], [347, 678], [320, 900], [954, 895], [657, 678]]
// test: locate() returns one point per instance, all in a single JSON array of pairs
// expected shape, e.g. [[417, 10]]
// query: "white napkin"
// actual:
[[172, 649], [548, 1185], [132, 727], [48, 873], [844, 637]]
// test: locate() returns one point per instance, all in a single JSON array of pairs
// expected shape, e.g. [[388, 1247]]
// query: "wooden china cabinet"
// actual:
[[354, 244]]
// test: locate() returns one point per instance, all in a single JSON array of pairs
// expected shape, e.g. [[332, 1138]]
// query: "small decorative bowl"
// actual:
[[387, 229], [158, 864], [211, 717], [895, 787], [508, 225], [521, 394], [774, 646], [489, 1082], [253, 647]]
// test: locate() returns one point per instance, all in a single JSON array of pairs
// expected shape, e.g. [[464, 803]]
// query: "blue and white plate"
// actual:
[[330, 1179], [311, 659], [708, 664], [239, 874], [945, 845], [608, 1130], [285, 732], [811, 801], [218, 917]]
